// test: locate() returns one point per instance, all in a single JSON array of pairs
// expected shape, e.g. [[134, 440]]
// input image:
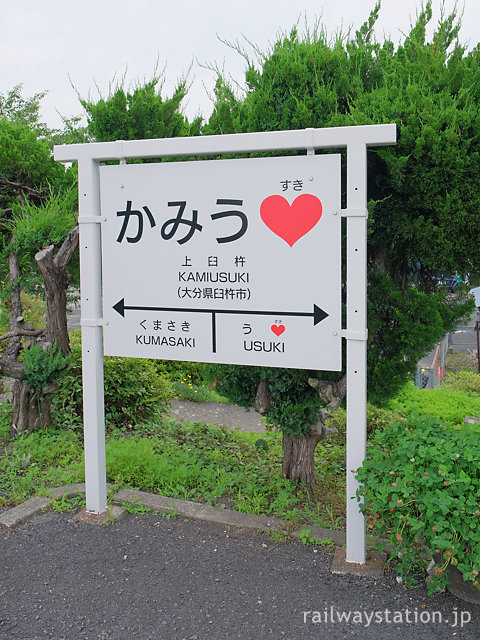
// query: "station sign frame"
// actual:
[[90, 156]]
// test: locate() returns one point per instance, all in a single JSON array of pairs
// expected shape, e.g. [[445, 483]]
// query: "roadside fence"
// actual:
[[463, 339]]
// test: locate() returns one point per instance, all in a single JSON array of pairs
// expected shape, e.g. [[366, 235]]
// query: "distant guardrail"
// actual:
[[463, 339], [431, 377]]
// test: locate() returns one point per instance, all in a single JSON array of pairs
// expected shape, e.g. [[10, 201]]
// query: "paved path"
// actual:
[[232, 416], [73, 316], [153, 578]]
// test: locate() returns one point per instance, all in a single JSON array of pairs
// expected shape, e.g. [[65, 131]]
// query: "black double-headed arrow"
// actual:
[[317, 314]]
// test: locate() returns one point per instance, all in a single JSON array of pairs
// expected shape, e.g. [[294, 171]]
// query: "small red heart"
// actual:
[[277, 329], [291, 221]]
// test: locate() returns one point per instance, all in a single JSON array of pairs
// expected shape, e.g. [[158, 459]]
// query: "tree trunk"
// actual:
[[298, 452], [54, 272], [380, 259], [331, 393], [9, 364], [30, 410], [22, 396], [263, 398], [298, 458]]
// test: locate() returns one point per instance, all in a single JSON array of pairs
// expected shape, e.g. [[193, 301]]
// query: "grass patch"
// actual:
[[135, 508], [197, 462], [65, 505], [459, 361], [210, 464], [207, 464], [464, 380], [447, 405], [35, 462]]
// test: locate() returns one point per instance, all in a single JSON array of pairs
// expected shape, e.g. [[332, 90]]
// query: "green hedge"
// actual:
[[421, 486], [134, 392]]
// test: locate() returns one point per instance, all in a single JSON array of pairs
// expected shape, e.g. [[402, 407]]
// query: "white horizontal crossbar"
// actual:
[[90, 219], [355, 335], [327, 138], [92, 322]]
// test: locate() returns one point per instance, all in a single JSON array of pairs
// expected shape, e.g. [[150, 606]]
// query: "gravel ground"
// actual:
[[149, 577]]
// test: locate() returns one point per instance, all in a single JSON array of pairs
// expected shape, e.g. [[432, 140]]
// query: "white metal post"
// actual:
[[356, 342], [92, 338]]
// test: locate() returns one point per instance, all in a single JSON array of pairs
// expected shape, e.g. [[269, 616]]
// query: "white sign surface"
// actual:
[[234, 261]]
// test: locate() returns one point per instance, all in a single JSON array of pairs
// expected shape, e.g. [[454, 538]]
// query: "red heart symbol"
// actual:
[[291, 222], [277, 329]]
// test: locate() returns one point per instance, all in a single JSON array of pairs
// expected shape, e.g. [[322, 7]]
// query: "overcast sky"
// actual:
[[44, 43]]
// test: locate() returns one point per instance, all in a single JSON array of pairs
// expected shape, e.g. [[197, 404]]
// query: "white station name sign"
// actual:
[[233, 261]]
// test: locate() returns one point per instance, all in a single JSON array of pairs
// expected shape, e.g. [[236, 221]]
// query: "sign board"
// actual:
[[233, 261]]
